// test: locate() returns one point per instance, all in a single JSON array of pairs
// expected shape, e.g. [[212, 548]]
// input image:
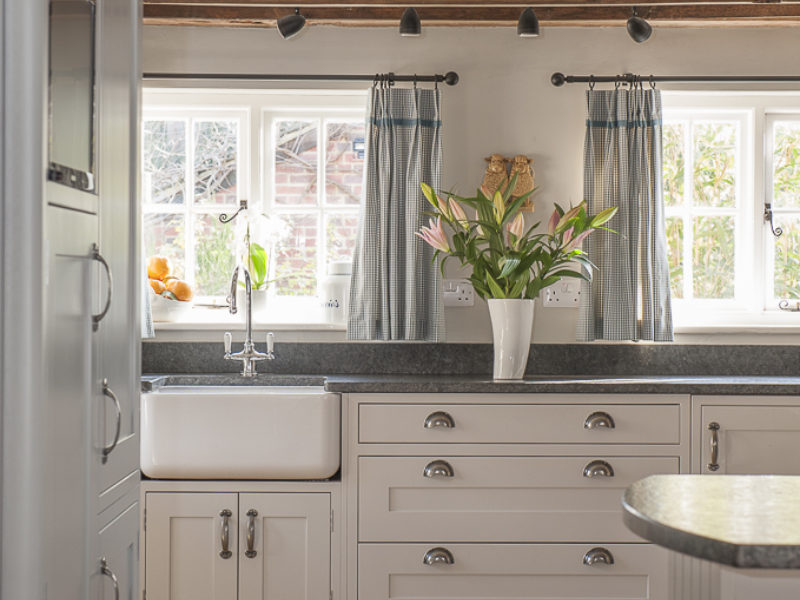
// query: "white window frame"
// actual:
[[751, 311], [257, 167]]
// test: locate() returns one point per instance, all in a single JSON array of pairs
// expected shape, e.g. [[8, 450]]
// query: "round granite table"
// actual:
[[746, 521]]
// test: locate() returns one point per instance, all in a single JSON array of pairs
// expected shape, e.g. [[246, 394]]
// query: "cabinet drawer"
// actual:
[[509, 499], [499, 571], [518, 424]]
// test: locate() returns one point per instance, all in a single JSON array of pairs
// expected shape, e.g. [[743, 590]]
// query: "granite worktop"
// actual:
[[747, 521], [461, 384]]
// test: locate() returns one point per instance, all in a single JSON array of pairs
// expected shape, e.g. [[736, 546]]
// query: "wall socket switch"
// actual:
[[458, 292], [563, 294]]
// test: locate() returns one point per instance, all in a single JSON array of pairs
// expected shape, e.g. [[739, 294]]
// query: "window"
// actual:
[[727, 156], [297, 158]]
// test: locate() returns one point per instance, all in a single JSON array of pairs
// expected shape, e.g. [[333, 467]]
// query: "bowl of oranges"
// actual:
[[172, 296]]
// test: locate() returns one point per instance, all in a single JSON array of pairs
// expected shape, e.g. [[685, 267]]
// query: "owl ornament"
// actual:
[[496, 176], [521, 167]]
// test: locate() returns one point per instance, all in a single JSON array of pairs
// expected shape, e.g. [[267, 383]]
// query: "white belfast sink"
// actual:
[[240, 432]]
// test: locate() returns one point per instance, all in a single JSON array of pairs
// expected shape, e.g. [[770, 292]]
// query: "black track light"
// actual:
[[290, 25], [528, 24], [410, 25], [639, 29]]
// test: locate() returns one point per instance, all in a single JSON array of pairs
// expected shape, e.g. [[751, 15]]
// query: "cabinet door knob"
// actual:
[[598, 468], [108, 393], [251, 533], [438, 556], [713, 427], [439, 419], [225, 534], [438, 468], [599, 420], [105, 570], [598, 555], [99, 258]]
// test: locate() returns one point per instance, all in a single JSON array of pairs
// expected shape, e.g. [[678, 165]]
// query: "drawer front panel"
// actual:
[[502, 499], [520, 571], [519, 424]]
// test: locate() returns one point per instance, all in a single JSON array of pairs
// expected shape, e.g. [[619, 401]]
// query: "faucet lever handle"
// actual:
[[228, 339], [270, 342]]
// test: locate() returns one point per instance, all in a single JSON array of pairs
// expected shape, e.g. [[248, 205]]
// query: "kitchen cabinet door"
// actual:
[[118, 333], [285, 546], [191, 546], [117, 558], [69, 279], [753, 440]]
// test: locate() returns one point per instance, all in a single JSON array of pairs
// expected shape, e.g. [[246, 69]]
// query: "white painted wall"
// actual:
[[503, 103]]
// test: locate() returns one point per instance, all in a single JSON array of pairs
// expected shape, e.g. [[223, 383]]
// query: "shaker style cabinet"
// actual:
[[245, 546], [493, 496], [748, 435]]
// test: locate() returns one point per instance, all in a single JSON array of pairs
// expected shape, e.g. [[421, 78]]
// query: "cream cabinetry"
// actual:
[[214, 545], [467, 495], [755, 435]]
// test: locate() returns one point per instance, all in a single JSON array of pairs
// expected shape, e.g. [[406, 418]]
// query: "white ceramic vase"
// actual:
[[511, 328]]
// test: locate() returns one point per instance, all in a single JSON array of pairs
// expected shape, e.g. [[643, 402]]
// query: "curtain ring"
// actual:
[[652, 82], [390, 80], [375, 81], [415, 81], [591, 82], [617, 84], [436, 82]]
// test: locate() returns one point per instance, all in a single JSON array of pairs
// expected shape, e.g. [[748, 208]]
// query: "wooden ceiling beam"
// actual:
[[157, 12]]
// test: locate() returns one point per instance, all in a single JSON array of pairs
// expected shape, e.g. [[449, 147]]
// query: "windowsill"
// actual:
[[217, 319], [734, 322]]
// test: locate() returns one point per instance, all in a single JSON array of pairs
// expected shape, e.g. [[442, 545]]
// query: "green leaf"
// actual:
[[603, 217], [497, 291], [509, 264], [258, 264], [169, 295]]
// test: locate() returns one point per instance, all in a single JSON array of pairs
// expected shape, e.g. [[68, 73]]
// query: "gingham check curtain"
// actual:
[[395, 289], [629, 297]]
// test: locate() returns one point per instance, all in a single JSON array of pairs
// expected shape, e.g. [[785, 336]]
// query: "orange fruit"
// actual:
[[157, 286], [181, 289], [158, 267]]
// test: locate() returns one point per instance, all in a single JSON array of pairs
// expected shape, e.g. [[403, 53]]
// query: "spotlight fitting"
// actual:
[[639, 29], [290, 25], [410, 25], [528, 24]]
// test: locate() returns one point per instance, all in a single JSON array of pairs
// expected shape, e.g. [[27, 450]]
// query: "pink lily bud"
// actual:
[[551, 224], [458, 213], [572, 212], [577, 241], [478, 228], [517, 226], [567, 236]]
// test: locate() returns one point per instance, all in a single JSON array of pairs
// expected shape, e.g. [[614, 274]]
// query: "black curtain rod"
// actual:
[[559, 79], [450, 78]]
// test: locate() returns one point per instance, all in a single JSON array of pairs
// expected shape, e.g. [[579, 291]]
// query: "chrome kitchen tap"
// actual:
[[248, 355]]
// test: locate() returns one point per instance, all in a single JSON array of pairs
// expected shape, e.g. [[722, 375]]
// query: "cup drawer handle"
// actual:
[[598, 468], [439, 420], [598, 555], [599, 420], [438, 468], [438, 556]]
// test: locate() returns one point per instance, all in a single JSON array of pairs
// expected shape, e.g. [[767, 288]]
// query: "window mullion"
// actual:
[[688, 221], [189, 260]]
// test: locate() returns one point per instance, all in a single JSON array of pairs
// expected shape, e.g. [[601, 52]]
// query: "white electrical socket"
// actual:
[[563, 294], [458, 292]]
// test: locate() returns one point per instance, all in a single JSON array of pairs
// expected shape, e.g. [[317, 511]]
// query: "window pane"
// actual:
[[674, 163], [786, 164], [164, 236], [713, 257], [213, 256], [344, 163], [787, 258], [675, 255], [296, 162], [296, 257], [215, 144], [340, 234], [715, 163], [163, 161]]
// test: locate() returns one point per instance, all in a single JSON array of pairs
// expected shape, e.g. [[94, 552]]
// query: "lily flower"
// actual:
[[499, 207], [577, 241], [551, 224], [517, 227], [458, 213], [434, 235], [478, 228]]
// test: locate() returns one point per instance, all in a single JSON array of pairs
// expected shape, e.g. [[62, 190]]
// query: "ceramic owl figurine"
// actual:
[[496, 177], [521, 167]]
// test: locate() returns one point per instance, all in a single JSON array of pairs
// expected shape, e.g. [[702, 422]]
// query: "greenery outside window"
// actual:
[[296, 157], [727, 155]]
